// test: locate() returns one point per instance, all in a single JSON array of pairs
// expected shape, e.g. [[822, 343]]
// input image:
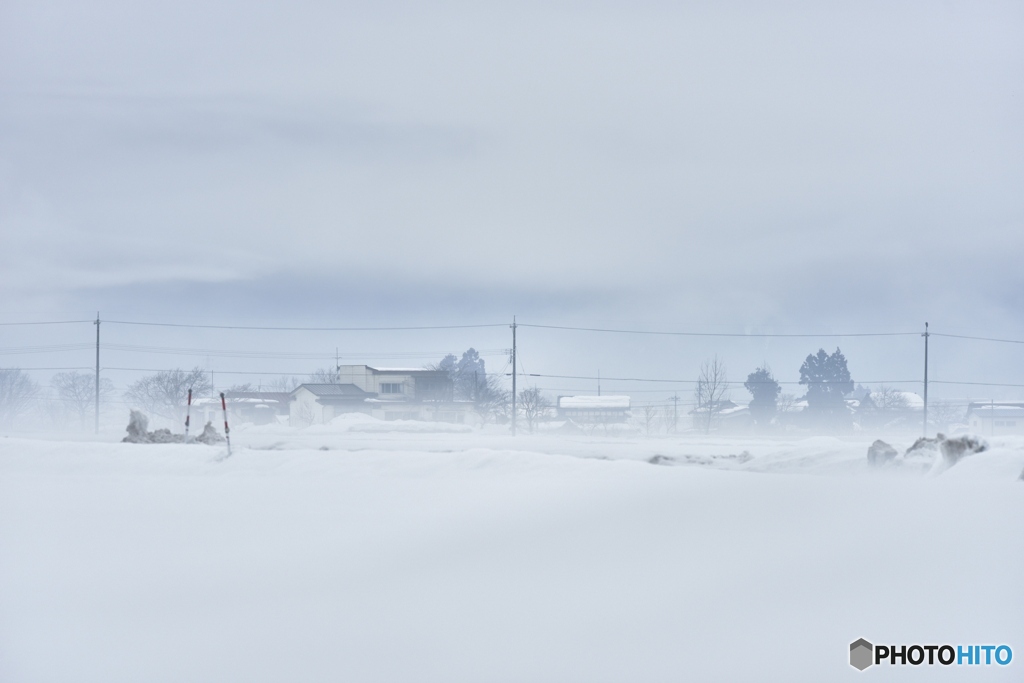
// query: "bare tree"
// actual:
[[533, 405], [76, 392], [324, 376], [709, 392], [943, 414], [492, 399], [785, 404], [283, 384], [648, 416], [166, 393], [17, 392], [671, 418], [889, 400]]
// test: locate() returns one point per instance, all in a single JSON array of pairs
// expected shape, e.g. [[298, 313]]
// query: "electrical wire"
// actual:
[[964, 336], [716, 334], [305, 329], [48, 322]]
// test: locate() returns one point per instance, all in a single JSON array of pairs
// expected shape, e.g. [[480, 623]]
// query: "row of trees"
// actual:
[[825, 375], [828, 383]]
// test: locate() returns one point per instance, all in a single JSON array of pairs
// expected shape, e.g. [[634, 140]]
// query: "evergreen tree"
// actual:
[[471, 377], [765, 390], [448, 364], [828, 381], [468, 375]]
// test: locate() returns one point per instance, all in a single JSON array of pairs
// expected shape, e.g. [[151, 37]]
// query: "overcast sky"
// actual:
[[709, 166]]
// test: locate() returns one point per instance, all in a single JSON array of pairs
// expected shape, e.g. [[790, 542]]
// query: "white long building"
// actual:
[[594, 409]]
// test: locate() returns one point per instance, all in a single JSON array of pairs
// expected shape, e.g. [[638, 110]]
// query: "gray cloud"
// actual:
[[799, 166]]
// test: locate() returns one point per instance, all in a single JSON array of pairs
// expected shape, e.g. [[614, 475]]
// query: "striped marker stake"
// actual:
[[188, 413], [227, 430]]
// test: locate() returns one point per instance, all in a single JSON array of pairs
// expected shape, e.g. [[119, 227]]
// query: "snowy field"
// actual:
[[347, 553]]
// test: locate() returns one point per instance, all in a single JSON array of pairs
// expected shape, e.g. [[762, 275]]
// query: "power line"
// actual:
[[979, 384], [305, 329], [48, 322], [717, 334], [285, 355], [54, 348], [991, 339], [534, 325], [75, 368], [213, 370]]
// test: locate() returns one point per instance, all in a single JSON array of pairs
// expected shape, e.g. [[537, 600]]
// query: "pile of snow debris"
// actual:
[[716, 460], [138, 425], [924, 452]]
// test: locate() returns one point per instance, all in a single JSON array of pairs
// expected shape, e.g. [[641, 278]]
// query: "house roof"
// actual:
[[999, 411], [278, 396], [593, 402], [409, 371]]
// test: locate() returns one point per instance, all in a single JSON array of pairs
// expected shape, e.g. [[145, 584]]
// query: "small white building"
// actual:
[[725, 415], [995, 418], [258, 407], [594, 409], [320, 403]]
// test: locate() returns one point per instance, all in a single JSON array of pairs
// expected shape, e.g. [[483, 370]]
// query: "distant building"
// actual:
[[257, 407], [594, 409], [995, 418], [384, 393], [725, 415]]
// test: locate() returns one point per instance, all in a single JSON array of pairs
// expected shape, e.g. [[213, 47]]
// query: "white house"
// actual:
[[996, 418], [320, 403], [384, 393]]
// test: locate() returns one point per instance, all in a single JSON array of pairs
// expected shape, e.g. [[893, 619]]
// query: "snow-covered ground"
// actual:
[[347, 553]]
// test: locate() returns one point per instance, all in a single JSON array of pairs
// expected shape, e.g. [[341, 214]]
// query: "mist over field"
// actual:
[[538, 341]]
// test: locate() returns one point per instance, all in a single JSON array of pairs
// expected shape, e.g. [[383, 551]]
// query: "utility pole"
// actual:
[[513, 375], [598, 382], [926, 379], [97, 372], [675, 412]]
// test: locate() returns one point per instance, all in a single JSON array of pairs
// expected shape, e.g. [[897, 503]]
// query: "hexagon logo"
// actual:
[[861, 654]]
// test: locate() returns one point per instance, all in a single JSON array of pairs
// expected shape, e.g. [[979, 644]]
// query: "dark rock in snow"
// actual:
[[165, 436], [924, 443], [209, 435], [880, 453], [137, 424], [954, 450]]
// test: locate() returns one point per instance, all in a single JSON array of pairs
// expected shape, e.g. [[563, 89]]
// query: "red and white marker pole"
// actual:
[[188, 413], [227, 430]]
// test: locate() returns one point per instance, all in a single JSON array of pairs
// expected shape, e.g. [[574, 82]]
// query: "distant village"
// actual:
[[437, 395]]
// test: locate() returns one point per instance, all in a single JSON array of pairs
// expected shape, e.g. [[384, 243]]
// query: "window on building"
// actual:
[[391, 388]]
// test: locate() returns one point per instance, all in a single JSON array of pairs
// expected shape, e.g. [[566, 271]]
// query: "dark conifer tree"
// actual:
[[765, 390], [828, 381]]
